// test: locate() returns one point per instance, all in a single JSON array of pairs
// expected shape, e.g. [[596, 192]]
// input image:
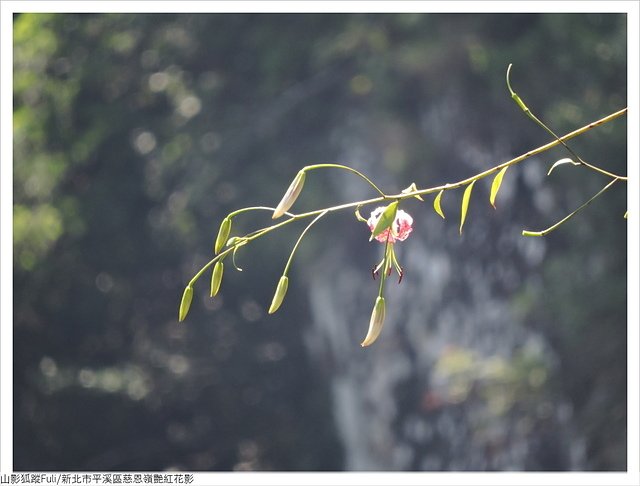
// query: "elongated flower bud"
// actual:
[[185, 303], [376, 322], [223, 234], [278, 297], [291, 195], [216, 278]]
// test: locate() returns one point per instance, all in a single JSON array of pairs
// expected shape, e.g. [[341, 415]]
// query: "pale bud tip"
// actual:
[[290, 196], [376, 323]]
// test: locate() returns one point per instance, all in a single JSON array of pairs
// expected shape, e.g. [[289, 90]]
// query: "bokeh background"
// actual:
[[135, 134]]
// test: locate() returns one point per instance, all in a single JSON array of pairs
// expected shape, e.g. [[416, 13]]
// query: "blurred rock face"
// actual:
[[452, 383], [457, 380]]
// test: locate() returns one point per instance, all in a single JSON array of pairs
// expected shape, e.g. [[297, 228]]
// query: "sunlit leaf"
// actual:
[[625, 214], [465, 204], [495, 186], [436, 204], [387, 218], [562, 162]]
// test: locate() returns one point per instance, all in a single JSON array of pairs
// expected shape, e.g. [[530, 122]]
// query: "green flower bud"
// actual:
[[185, 303], [223, 234], [278, 297], [216, 278], [376, 322], [291, 195]]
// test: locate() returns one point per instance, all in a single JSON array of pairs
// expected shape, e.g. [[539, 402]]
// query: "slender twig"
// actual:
[[253, 208], [570, 215], [530, 114], [344, 167], [295, 247]]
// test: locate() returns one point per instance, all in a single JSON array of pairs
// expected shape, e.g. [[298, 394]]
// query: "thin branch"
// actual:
[[530, 114], [296, 217], [570, 215]]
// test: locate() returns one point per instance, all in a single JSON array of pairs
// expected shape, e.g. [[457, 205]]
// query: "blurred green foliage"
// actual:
[[135, 134]]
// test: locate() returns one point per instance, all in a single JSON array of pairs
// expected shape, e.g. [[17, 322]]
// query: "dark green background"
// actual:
[[134, 135]]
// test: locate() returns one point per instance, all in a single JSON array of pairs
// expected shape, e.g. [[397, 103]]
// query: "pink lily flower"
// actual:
[[400, 229]]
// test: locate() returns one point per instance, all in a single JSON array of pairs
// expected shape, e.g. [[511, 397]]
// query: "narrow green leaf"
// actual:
[[278, 297], [436, 204], [495, 186], [562, 162], [625, 214], [185, 303], [216, 278], [387, 218], [465, 204], [531, 233], [223, 234]]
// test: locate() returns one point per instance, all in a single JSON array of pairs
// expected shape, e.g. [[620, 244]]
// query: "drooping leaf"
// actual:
[[465, 204], [436, 204], [387, 218], [495, 186], [562, 162]]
